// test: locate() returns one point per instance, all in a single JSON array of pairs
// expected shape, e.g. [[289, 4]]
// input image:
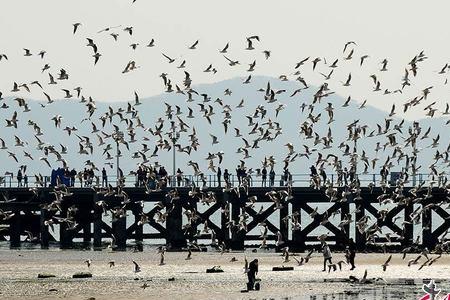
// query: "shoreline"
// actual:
[[19, 270]]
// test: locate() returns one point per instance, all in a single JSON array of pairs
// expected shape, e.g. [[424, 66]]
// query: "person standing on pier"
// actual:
[[345, 176], [239, 174], [179, 177], [226, 178], [384, 173], [264, 177], [351, 174], [271, 177], [104, 178], [219, 175], [323, 175], [19, 178]]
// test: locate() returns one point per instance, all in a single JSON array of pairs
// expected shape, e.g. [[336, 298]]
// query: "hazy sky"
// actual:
[[292, 30]]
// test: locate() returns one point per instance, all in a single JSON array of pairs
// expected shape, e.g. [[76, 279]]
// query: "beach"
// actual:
[[187, 279]]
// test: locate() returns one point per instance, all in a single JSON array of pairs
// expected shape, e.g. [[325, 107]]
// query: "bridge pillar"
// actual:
[[119, 228], [341, 241], [408, 231], [65, 236], [44, 230], [85, 214], [15, 230], [225, 217], [237, 236], [298, 240], [360, 238], [138, 233], [97, 220], [427, 237], [175, 238], [284, 222]]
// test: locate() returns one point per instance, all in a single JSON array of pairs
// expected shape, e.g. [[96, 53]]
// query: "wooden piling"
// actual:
[[15, 230], [45, 236], [65, 236], [119, 228], [174, 223], [138, 233], [237, 235]]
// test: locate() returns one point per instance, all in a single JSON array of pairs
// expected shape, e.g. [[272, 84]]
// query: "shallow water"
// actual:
[[19, 269]]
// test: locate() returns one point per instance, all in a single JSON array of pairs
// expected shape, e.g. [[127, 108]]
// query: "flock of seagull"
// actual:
[[399, 144]]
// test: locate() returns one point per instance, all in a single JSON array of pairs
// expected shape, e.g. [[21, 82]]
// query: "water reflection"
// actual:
[[396, 289]]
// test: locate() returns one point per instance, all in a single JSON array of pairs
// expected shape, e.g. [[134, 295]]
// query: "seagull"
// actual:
[[75, 27], [231, 62], [129, 30], [137, 268], [224, 49], [386, 263], [88, 262], [194, 45], [171, 60]]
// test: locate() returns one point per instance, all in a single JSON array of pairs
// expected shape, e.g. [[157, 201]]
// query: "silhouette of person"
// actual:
[[251, 274], [264, 177]]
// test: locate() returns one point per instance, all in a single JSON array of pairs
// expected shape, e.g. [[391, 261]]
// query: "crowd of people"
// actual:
[[148, 175]]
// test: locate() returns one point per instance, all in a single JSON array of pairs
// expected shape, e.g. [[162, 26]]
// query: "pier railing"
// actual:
[[212, 180]]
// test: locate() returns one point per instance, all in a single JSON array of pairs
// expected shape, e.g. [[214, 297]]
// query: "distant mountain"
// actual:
[[290, 118]]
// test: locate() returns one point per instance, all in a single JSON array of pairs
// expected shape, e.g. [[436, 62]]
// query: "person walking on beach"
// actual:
[[351, 253], [251, 274], [326, 255]]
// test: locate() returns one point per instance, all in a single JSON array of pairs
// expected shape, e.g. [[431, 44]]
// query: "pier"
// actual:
[[30, 216]]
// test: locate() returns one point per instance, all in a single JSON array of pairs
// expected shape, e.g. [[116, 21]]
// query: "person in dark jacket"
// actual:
[[271, 177], [351, 253], [264, 177], [326, 255], [226, 177], [19, 178], [251, 274], [219, 177]]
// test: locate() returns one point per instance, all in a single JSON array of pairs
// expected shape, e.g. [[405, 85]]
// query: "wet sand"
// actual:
[[19, 270]]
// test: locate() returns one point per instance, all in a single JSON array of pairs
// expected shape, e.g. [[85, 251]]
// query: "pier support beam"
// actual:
[[225, 217], [138, 233], [119, 228], [237, 236], [427, 237], [284, 222], [97, 220], [298, 239], [175, 235], [15, 230], [44, 230], [65, 236], [341, 241], [408, 231], [360, 238]]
